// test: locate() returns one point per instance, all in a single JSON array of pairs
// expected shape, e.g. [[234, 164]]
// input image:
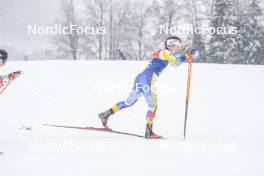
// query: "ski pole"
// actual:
[[187, 94]]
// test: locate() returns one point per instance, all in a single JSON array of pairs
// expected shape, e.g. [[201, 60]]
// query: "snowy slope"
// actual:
[[224, 136]]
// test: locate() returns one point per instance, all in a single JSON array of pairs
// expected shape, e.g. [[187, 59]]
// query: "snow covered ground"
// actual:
[[225, 126]]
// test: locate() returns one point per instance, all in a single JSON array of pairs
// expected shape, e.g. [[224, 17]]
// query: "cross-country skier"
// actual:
[[3, 58], [5, 79], [144, 83]]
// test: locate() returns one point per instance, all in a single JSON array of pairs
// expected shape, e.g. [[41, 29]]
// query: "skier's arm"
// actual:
[[174, 61], [169, 57], [165, 54], [186, 57], [12, 75]]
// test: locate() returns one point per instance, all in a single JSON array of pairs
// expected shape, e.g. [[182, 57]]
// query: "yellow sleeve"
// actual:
[[168, 57]]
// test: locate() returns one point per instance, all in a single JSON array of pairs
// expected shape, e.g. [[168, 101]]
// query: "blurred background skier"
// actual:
[[144, 83], [6, 79]]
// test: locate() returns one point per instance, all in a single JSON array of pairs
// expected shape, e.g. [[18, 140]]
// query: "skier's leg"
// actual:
[[152, 105], [134, 95], [132, 99], [151, 99]]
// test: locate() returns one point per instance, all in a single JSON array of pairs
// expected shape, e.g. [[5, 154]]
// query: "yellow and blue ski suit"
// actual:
[[144, 82]]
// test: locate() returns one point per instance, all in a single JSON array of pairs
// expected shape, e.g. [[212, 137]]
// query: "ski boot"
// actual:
[[150, 134], [104, 117]]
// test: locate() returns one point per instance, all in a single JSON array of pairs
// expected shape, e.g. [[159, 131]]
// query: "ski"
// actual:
[[96, 129], [7, 79]]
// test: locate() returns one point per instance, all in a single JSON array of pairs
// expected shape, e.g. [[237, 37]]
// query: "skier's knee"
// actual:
[[153, 108], [153, 105]]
